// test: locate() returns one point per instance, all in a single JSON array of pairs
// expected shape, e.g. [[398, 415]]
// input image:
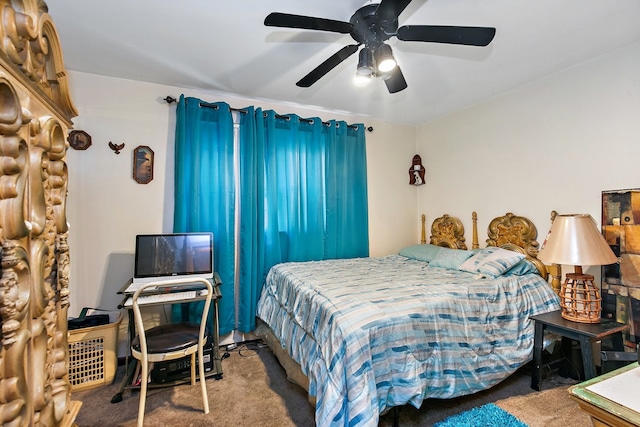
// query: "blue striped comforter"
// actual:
[[373, 333]]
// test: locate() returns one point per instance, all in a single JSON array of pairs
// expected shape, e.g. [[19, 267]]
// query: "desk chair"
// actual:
[[170, 341]]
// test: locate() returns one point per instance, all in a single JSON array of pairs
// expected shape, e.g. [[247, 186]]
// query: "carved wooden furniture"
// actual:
[[35, 115], [509, 231], [518, 234], [448, 231]]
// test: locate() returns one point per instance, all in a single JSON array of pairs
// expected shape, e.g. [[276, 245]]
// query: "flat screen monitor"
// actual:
[[173, 256]]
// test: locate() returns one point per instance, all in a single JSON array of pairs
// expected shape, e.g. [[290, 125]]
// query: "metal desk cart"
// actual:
[[157, 299]]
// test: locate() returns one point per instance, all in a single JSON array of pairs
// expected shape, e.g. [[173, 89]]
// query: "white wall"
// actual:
[[107, 208], [554, 144]]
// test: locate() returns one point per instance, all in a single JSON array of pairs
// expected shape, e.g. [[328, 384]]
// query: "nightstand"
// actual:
[[584, 333]]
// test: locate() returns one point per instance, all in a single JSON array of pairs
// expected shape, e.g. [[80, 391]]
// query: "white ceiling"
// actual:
[[223, 46]]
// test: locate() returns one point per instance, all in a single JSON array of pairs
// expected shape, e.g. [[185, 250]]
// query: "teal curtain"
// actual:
[[204, 198], [347, 234], [252, 218], [302, 195], [294, 186]]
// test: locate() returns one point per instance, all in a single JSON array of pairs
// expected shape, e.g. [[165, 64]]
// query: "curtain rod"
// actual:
[[170, 99]]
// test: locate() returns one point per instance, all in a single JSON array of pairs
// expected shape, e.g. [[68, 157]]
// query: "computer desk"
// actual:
[[181, 297]]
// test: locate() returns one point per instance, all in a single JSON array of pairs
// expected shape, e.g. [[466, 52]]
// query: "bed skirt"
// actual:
[[290, 366]]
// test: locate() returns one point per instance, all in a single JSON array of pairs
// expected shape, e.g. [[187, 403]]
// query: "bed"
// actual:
[[435, 320]]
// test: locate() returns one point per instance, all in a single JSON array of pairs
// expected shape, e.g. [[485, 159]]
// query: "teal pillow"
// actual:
[[450, 258], [491, 261], [521, 268], [421, 252]]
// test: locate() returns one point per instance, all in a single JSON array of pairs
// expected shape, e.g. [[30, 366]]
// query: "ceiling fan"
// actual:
[[372, 25]]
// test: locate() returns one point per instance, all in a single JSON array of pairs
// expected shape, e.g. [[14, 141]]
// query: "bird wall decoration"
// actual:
[[116, 147]]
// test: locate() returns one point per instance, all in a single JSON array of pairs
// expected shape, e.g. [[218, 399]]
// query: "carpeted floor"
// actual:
[[255, 392]]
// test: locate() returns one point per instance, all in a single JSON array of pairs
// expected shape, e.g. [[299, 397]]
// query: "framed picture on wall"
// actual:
[[143, 164], [79, 140], [621, 282]]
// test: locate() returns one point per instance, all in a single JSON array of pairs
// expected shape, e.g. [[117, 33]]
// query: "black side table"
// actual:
[[584, 333]]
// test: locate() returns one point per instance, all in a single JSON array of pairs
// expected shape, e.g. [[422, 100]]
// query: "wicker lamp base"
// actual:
[[580, 299]]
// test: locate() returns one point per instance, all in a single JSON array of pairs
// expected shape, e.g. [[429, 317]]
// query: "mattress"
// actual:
[[373, 333]]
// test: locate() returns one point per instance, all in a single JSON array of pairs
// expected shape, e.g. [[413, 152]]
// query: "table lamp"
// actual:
[[574, 239]]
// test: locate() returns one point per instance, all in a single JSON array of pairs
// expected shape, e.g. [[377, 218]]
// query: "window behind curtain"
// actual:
[[295, 188]]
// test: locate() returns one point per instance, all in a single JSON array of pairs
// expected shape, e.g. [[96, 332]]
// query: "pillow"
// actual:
[[521, 268], [491, 261], [450, 258], [420, 252]]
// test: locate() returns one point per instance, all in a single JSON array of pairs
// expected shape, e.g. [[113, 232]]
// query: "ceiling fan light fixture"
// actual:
[[384, 58], [360, 80], [365, 62], [384, 76], [370, 27]]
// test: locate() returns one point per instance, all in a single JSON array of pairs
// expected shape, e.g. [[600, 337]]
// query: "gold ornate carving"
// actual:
[[555, 270], [35, 114], [475, 244], [13, 179], [14, 292], [31, 53], [448, 231], [10, 114], [511, 229], [518, 234]]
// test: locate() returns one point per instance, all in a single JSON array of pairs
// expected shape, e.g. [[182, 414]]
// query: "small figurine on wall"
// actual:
[[116, 147], [416, 171]]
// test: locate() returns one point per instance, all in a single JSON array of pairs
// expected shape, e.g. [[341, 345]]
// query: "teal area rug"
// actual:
[[488, 415]]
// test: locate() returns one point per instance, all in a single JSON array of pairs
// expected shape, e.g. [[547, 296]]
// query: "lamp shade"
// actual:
[[575, 240], [365, 62], [384, 58]]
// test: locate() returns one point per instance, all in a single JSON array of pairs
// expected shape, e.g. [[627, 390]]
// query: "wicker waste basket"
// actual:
[[93, 352]]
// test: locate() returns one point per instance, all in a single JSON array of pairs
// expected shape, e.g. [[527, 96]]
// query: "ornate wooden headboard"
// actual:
[[518, 233], [509, 231], [35, 115], [448, 231]]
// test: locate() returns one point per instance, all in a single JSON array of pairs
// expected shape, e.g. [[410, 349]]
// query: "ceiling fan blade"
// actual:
[[391, 9], [287, 20], [328, 65], [472, 36], [395, 82]]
